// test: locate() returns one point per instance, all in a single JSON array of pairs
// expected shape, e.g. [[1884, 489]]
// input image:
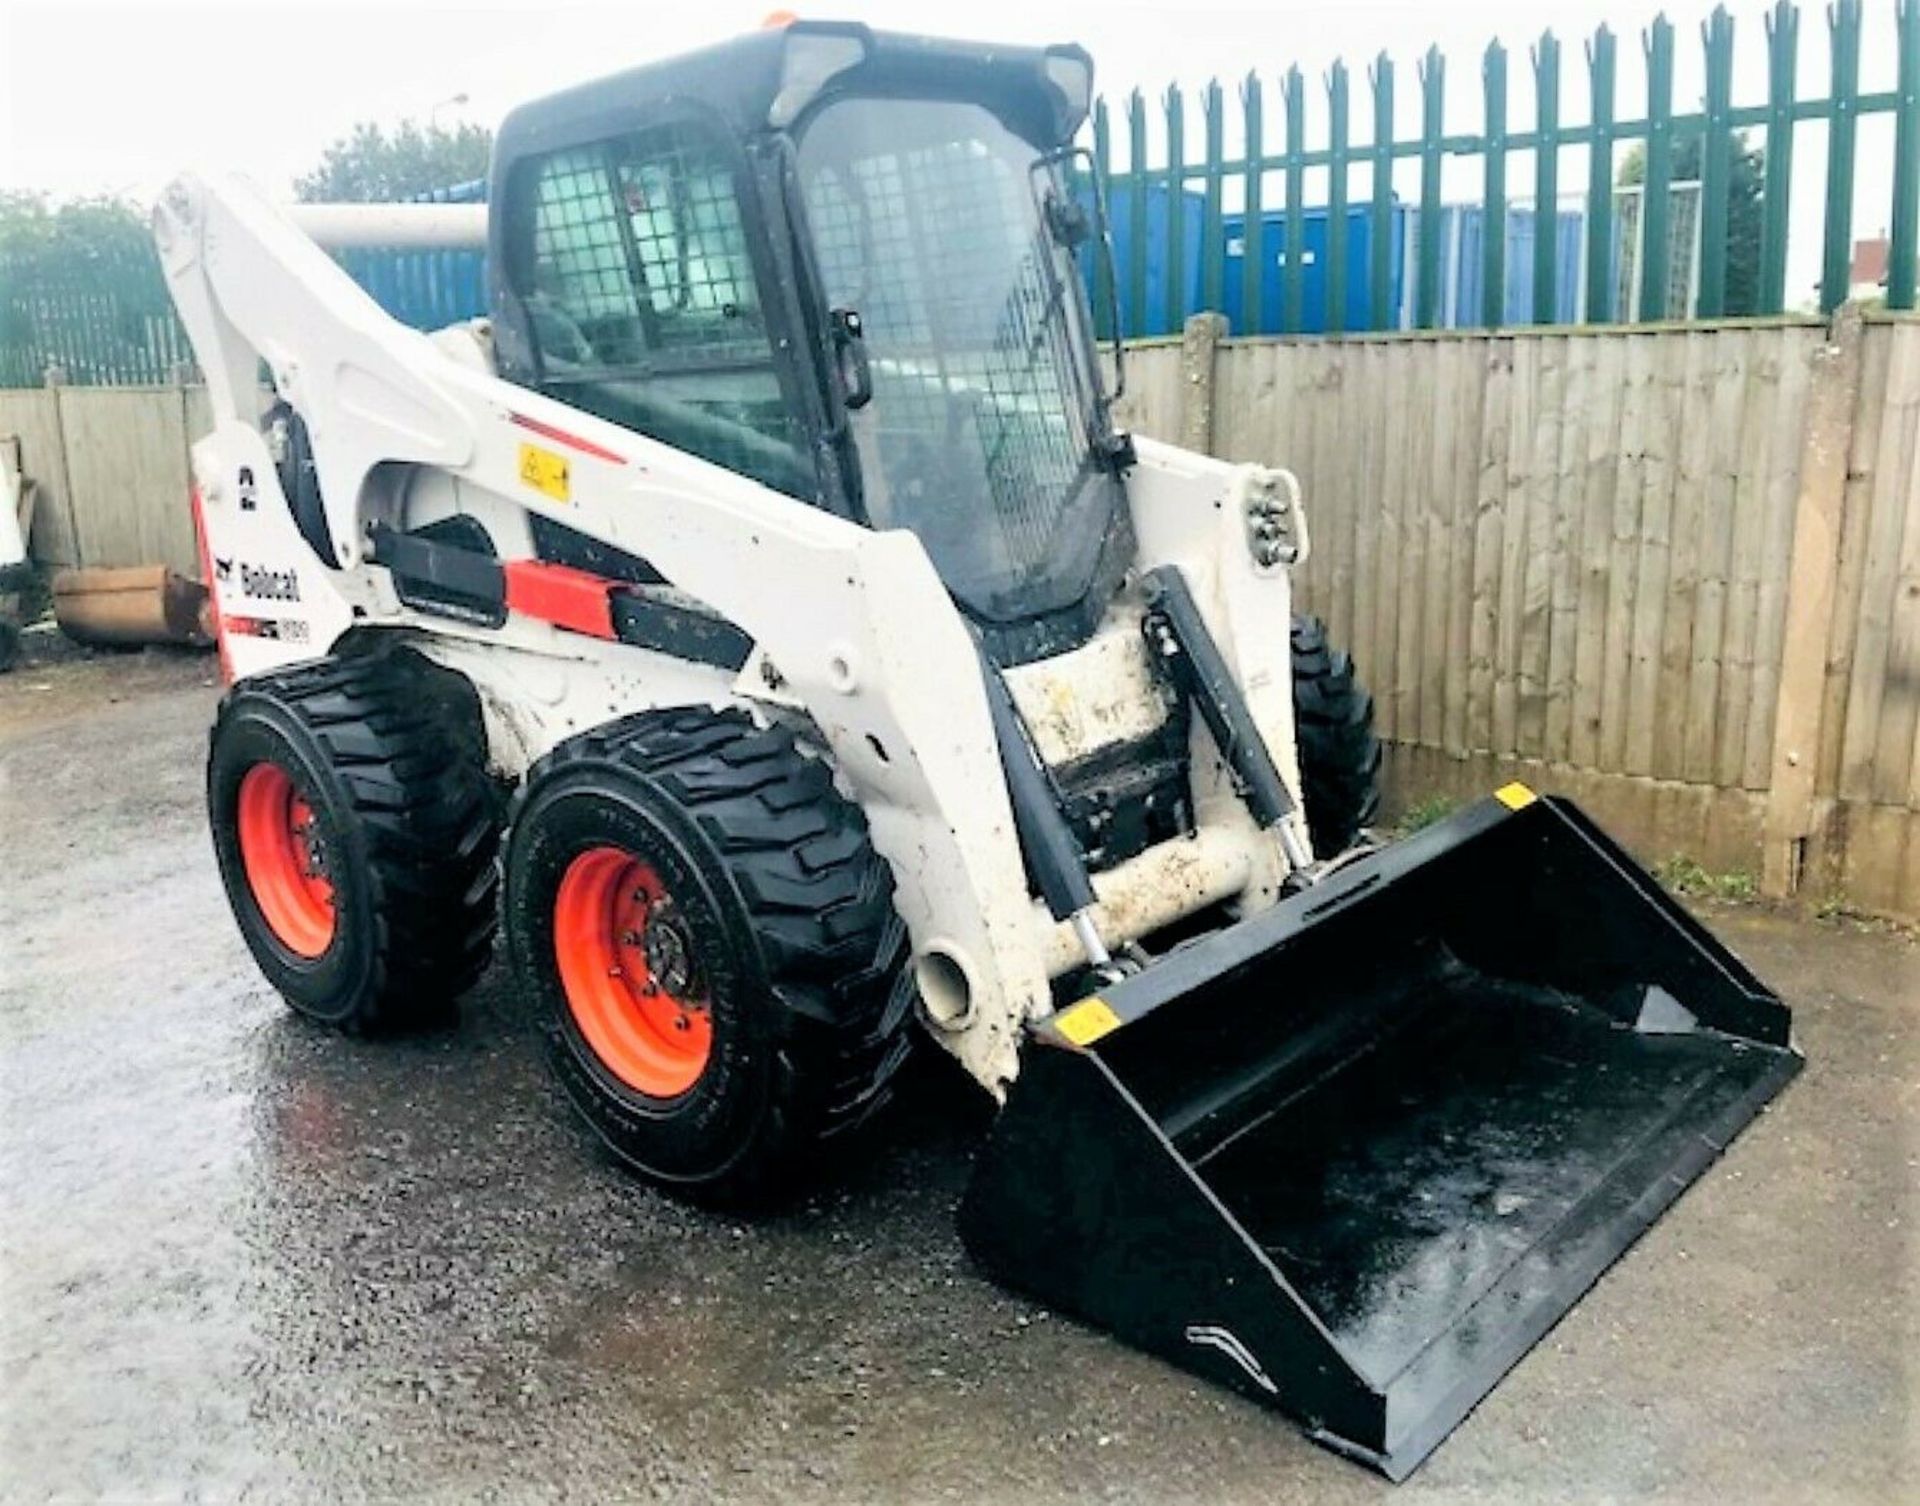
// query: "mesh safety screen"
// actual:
[[979, 430], [643, 304]]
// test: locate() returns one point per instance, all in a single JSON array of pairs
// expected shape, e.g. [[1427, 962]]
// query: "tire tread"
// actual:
[[1340, 755]]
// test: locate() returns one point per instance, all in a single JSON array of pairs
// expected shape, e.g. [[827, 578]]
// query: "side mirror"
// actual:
[[850, 357]]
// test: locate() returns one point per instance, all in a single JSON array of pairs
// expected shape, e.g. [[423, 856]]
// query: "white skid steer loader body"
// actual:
[[855, 639]]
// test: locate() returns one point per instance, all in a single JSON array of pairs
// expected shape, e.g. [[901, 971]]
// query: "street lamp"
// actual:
[[433, 115]]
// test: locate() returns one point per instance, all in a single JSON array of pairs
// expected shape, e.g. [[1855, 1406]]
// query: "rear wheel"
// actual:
[[356, 832], [708, 939], [1339, 754]]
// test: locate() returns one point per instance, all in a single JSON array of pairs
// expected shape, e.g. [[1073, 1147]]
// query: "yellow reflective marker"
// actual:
[[1515, 796], [546, 472], [1087, 1021]]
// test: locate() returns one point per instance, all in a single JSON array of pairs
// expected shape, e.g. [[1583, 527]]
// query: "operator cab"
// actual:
[[840, 262]]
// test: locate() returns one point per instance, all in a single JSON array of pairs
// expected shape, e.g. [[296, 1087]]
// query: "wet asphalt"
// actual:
[[244, 1259]]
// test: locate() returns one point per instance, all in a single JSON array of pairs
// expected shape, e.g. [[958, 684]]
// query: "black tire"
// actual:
[[786, 911], [1339, 754], [388, 755]]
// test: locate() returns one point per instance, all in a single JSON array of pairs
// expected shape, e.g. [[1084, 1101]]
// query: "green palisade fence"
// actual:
[[1687, 162], [109, 321], [101, 321]]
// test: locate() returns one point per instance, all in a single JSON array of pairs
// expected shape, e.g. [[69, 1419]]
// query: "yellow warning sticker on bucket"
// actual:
[[1515, 796], [546, 472], [1087, 1021]]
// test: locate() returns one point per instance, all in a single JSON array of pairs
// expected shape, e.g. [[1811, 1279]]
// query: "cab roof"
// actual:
[[766, 79]]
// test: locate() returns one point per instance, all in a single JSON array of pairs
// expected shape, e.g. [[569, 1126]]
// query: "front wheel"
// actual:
[[707, 938]]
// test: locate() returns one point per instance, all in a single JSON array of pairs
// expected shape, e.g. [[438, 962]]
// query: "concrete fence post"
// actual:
[[1832, 398], [1199, 347]]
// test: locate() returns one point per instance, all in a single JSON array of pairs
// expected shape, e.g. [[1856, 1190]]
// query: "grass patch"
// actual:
[[1425, 813], [1835, 911], [1684, 876]]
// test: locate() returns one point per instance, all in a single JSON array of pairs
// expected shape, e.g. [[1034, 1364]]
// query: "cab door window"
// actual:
[[642, 303]]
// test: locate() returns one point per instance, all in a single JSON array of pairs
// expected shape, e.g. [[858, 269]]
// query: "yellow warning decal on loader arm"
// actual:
[[546, 472], [1515, 796], [1087, 1021]]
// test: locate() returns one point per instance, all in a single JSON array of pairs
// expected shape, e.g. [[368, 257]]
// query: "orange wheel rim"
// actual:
[[627, 968], [285, 860]]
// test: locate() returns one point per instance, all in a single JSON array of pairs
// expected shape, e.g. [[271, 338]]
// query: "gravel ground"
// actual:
[[240, 1257]]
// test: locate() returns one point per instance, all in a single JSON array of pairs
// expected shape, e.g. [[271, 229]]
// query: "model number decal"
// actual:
[[280, 629], [546, 472]]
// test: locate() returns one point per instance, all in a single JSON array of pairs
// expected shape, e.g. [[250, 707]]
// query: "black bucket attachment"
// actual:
[[1355, 1155]]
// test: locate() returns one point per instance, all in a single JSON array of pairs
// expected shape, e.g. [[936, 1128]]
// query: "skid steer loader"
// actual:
[[761, 619]]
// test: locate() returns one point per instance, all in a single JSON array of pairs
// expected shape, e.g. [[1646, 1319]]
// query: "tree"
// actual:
[[34, 234], [81, 289], [1746, 200], [374, 165]]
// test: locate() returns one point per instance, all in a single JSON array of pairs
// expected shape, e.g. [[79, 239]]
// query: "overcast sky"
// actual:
[[116, 97]]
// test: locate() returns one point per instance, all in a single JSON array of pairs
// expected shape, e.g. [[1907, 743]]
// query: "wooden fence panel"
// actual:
[[1611, 510], [1570, 550], [1606, 398], [1877, 750], [127, 466], [1746, 500], [1151, 404]]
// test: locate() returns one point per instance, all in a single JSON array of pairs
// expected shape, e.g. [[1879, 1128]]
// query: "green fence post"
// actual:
[[1103, 173], [1600, 76], [1380, 314], [1137, 190], [1293, 274], [1843, 27], [1656, 187], [1336, 279], [1213, 251], [1716, 164], [1253, 236], [1176, 291], [1905, 227], [1783, 39], [1493, 214], [1546, 177], [1433, 86]]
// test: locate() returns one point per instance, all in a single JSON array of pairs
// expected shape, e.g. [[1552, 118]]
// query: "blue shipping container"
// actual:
[[1462, 265], [1120, 225], [1313, 292], [426, 289]]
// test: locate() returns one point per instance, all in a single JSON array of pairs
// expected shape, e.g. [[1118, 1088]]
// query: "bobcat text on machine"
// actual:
[[766, 596]]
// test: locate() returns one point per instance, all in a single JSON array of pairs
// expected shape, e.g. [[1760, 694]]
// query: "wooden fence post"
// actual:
[[1199, 344], [1832, 396]]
